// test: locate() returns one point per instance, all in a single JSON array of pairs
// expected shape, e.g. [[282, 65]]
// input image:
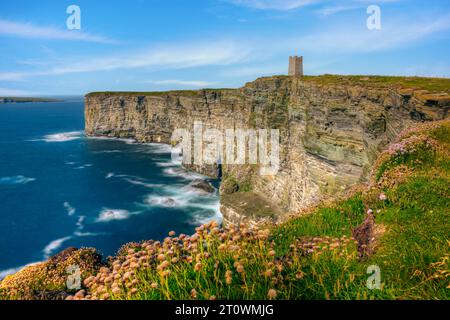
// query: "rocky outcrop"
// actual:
[[330, 132]]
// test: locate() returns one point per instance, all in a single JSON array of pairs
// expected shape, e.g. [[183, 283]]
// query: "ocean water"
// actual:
[[59, 188]]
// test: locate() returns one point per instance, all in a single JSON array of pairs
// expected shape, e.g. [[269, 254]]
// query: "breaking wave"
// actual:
[[107, 215], [16, 180], [62, 137]]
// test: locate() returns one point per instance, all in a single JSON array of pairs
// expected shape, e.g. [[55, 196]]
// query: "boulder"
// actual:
[[202, 185]]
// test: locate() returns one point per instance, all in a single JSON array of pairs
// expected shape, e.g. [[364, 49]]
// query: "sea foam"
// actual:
[[16, 180], [63, 136], [107, 215]]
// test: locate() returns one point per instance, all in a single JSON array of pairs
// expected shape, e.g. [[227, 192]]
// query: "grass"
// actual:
[[431, 85], [157, 93], [314, 255]]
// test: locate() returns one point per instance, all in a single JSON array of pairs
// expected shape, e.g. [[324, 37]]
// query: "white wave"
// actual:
[[142, 183], [80, 222], [107, 215], [107, 151], [182, 196], [127, 141], [16, 180], [88, 234], [62, 137], [162, 201], [202, 217], [7, 272], [133, 180], [159, 148], [54, 245], [84, 166], [182, 173], [70, 163], [70, 210], [166, 164]]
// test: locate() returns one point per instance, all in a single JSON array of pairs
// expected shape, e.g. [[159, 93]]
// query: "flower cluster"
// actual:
[[318, 245], [223, 250]]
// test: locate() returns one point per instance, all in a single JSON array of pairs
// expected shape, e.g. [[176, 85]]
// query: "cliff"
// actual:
[[332, 129]]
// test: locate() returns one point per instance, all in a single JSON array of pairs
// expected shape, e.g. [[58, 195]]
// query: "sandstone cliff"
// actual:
[[331, 130]]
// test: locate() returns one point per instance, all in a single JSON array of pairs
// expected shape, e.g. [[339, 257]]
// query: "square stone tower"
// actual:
[[296, 66]]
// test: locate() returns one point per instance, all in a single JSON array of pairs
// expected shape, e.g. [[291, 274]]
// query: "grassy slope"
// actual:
[[311, 256]]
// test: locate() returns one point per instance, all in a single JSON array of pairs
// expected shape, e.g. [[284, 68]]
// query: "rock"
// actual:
[[169, 202], [202, 185]]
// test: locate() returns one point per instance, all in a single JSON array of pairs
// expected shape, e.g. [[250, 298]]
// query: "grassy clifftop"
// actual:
[[398, 224], [432, 86]]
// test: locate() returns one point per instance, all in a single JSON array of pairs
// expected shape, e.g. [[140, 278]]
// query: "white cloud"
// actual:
[[282, 5], [173, 56], [330, 10], [188, 83], [5, 92], [352, 40], [253, 71], [31, 31], [286, 5]]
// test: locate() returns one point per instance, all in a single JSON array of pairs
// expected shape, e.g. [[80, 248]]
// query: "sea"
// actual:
[[59, 188]]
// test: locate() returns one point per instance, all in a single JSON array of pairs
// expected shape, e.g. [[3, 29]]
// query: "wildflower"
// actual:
[[88, 280], [174, 260], [268, 273], [198, 266], [161, 257], [171, 233], [80, 294], [116, 290], [134, 291], [271, 253], [240, 268], [194, 294], [370, 211], [228, 276], [382, 197], [299, 275], [154, 285], [165, 273], [213, 298], [272, 294]]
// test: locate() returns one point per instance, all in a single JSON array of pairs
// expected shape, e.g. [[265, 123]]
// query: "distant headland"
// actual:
[[26, 99]]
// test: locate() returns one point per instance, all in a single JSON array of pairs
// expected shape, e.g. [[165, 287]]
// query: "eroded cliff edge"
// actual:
[[331, 130]]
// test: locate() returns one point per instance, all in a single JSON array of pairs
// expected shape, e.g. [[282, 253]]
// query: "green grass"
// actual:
[[157, 93], [431, 85]]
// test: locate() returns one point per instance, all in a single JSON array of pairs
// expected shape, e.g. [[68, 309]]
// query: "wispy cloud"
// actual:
[[172, 56], [32, 31], [252, 71], [5, 92], [282, 5], [184, 83], [331, 7], [398, 34]]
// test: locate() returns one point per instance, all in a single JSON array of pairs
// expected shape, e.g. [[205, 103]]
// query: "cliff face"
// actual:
[[330, 133]]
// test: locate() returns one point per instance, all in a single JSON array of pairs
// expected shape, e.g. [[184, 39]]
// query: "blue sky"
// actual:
[[146, 45]]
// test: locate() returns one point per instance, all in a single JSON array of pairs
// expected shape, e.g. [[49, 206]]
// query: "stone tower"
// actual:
[[296, 66]]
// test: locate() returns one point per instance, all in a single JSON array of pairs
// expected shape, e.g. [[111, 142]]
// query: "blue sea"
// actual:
[[59, 188]]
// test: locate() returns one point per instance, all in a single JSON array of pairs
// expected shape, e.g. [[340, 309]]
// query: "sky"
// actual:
[[155, 45]]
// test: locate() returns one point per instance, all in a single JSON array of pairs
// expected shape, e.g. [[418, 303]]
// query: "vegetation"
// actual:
[[23, 99], [399, 222], [157, 93], [429, 85]]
